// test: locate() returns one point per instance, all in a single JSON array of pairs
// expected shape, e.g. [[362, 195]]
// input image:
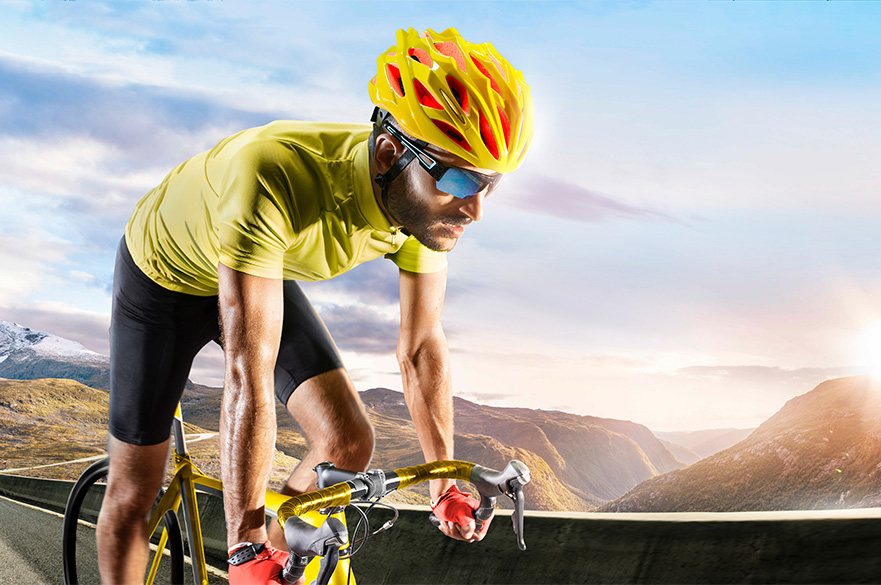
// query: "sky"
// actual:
[[691, 242]]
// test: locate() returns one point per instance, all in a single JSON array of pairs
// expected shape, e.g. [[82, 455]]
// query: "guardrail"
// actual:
[[758, 547]]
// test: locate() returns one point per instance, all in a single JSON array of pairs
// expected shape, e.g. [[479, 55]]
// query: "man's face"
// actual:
[[435, 218]]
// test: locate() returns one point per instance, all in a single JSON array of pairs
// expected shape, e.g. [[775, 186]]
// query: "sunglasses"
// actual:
[[457, 182]]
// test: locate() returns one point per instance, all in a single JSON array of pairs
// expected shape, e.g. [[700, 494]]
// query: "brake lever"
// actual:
[[509, 482], [306, 541], [517, 516], [328, 564]]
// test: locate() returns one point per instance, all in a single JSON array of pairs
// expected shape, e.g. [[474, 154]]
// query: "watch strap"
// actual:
[[246, 553]]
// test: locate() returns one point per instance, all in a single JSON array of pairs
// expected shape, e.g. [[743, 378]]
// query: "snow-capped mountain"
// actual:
[[27, 354], [14, 337]]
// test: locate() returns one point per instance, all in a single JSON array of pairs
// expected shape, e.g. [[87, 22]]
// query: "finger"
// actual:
[[467, 530], [485, 527], [451, 529]]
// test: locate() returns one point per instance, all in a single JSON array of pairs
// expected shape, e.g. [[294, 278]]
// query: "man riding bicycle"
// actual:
[[225, 237]]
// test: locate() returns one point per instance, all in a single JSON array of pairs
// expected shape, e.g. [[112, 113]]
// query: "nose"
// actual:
[[473, 206]]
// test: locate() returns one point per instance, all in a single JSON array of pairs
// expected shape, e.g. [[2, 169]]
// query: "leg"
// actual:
[[336, 426], [154, 336], [135, 476]]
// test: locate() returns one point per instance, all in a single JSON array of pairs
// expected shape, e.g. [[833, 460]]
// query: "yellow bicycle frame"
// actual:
[[182, 490], [187, 477]]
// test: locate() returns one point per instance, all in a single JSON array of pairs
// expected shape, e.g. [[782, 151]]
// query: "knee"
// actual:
[[128, 500], [352, 444], [134, 478]]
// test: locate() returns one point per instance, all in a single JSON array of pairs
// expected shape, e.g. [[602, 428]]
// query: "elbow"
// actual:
[[247, 384], [431, 357]]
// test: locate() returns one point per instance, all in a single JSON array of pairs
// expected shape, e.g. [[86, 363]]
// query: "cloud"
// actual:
[[209, 366], [549, 196], [751, 375], [374, 283], [78, 151], [360, 328], [134, 118], [25, 254]]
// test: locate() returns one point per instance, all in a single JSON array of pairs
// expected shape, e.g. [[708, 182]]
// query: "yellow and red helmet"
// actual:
[[462, 97]]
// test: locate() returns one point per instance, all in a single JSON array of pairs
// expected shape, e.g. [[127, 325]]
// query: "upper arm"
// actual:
[[251, 311], [422, 300], [256, 209]]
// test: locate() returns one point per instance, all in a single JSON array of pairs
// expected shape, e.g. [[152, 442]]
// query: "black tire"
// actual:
[[83, 503]]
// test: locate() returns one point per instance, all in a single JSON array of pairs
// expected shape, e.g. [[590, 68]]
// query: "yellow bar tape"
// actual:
[[434, 470], [341, 493], [330, 497]]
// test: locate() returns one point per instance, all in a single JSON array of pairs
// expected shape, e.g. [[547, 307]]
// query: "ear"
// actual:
[[386, 151]]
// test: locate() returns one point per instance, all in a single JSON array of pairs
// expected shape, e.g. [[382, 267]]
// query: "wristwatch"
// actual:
[[246, 553]]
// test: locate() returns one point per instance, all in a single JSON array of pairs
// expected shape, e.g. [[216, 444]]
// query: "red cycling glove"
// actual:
[[454, 506], [264, 569]]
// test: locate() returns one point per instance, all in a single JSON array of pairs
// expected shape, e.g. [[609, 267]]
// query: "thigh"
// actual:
[[306, 348], [154, 335], [330, 412]]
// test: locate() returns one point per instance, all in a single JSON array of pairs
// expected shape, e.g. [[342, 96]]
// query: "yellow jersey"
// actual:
[[289, 200]]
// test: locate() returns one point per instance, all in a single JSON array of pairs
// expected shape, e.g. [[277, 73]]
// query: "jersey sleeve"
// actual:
[[255, 211], [413, 256]]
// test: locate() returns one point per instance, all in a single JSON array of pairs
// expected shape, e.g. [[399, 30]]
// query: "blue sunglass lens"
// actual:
[[460, 183]]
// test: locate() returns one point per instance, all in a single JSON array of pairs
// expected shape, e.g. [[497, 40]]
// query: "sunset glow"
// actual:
[[869, 350]]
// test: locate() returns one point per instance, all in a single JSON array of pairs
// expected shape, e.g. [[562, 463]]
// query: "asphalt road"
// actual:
[[30, 548]]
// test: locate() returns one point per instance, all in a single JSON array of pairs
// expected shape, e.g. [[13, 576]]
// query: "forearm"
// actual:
[[247, 443], [251, 310], [428, 392]]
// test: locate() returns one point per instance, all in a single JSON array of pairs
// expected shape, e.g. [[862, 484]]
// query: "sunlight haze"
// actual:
[[691, 242]]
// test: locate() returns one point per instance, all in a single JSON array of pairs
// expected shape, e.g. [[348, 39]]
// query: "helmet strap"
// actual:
[[385, 179]]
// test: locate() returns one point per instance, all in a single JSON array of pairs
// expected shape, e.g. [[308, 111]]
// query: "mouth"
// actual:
[[453, 230]]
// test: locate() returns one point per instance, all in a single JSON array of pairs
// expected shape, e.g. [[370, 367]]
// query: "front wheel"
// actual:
[[79, 551]]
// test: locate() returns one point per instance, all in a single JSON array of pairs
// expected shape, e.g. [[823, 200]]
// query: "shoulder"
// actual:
[[288, 141]]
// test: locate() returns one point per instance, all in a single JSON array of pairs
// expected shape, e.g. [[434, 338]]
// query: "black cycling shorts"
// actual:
[[155, 334]]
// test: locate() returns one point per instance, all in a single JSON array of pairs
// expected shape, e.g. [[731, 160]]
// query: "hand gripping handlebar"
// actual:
[[305, 541], [509, 482]]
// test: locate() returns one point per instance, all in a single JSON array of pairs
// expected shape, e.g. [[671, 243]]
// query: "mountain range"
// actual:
[[577, 462], [821, 450]]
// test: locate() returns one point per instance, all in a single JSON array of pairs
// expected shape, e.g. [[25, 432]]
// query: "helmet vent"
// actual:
[[420, 55], [394, 79], [451, 49], [453, 134], [499, 67], [459, 93], [486, 134], [425, 97], [483, 70]]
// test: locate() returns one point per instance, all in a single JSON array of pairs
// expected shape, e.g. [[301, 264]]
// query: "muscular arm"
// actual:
[[251, 314], [425, 367]]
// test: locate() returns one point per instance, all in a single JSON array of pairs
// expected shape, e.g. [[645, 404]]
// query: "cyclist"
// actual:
[[227, 234]]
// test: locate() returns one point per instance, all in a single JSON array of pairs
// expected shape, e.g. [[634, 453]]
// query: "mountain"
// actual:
[[595, 458], [706, 443], [28, 355], [577, 462], [44, 421], [681, 453], [821, 450]]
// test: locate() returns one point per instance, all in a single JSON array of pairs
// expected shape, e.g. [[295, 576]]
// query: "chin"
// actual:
[[438, 244]]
